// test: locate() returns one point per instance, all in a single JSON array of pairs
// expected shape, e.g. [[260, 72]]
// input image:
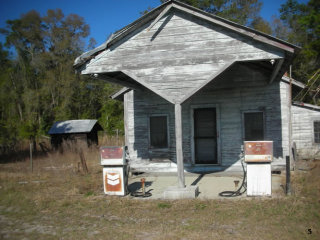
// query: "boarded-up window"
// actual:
[[316, 129], [253, 126], [158, 132]]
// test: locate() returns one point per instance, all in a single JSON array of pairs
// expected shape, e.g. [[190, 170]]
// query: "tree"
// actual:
[[279, 29], [111, 111], [303, 23], [8, 110], [261, 25]]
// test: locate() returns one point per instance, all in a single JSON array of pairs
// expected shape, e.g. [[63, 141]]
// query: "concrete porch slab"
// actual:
[[210, 185], [174, 192]]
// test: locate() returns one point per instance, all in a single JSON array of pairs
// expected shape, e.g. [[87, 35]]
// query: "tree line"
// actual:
[[38, 85]]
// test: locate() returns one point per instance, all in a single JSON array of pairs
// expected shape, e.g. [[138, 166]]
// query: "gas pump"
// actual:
[[115, 170], [256, 180], [258, 156]]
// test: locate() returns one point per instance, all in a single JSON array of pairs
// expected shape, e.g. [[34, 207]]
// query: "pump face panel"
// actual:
[[114, 181], [112, 156], [258, 151]]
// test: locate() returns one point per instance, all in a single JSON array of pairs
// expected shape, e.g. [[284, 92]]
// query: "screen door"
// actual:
[[205, 135]]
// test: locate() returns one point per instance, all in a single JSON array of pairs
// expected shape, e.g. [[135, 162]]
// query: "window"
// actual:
[[253, 126], [158, 132], [316, 130]]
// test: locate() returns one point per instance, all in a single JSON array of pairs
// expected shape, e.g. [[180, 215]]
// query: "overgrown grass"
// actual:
[[58, 200]]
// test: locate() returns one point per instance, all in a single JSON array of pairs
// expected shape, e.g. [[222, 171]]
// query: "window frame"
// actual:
[[149, 132], [313, 131], [243, 123]]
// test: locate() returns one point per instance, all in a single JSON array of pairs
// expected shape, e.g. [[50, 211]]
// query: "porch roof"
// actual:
[[120, 94], [90, 62]]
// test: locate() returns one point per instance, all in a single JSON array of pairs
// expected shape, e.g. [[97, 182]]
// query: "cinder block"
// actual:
[[174, 192]]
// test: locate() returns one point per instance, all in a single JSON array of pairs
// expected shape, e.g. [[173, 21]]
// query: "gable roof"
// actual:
[[158, 12], [73, 126]]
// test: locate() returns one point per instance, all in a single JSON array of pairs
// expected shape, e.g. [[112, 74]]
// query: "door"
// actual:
[[205, 135]]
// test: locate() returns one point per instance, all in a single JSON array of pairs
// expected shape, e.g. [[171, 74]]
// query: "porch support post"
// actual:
[[179, 153]]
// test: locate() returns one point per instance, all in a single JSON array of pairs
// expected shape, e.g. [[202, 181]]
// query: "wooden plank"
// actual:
[[133, 76], [126, 118], [169, 40], [135, 25], [118, 95], [192, 13], [171, 51], [243, 31], [221, 70], [276, 70], [159, 16], [116, 81], [179, 152]]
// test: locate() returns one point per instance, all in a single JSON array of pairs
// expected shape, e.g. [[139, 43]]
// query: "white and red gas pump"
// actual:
[[258, 156], [115, 170]]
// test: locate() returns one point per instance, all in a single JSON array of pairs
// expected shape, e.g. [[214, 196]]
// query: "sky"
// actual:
[[103, 16]]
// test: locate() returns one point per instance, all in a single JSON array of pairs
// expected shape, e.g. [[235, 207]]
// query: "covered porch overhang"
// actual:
[[271, 69]]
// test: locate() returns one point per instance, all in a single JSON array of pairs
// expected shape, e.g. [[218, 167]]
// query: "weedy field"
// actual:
[[59, 201]]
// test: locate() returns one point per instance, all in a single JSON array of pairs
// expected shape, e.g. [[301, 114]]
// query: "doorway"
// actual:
[[205, 135]]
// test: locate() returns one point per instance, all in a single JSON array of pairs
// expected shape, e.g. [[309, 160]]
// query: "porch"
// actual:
[[210, 185]]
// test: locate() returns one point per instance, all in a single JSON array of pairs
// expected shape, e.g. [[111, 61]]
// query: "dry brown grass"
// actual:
[[107, 140], [57, 201]]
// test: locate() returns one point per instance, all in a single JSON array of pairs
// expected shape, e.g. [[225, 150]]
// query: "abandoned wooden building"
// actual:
[[75, 131], [196, 86]]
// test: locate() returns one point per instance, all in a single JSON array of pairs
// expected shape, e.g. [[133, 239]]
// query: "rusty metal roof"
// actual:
[[73, 126]]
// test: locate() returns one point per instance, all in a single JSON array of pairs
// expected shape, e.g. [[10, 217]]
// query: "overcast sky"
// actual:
[[103, 16]]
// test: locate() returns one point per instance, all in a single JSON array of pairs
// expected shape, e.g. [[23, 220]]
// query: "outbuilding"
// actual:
[[196, 87], [84, 131], [306, 130]]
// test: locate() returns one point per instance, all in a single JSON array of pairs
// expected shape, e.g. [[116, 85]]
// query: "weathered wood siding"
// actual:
[[178, 54], [232, 102], [302, 132], [139, 106]]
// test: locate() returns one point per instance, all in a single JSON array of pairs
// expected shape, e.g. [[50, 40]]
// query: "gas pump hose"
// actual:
[[243, 186]]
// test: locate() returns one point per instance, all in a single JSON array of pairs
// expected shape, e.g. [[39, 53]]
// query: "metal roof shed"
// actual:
[[74, 130]]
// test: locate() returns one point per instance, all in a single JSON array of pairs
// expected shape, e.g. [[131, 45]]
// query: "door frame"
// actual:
[[197, 106]]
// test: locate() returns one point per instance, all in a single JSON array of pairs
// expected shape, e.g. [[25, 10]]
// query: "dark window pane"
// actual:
[[158, 132], [316, 129], [205, 122], [253, 126]]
